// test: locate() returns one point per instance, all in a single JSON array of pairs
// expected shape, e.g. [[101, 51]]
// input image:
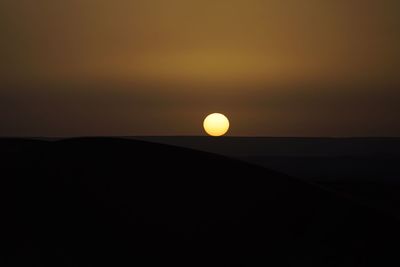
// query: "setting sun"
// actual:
[[216, 124]]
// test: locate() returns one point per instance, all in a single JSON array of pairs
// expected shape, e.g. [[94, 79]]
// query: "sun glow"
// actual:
[[216, 124]]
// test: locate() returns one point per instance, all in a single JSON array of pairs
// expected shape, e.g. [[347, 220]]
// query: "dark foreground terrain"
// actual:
[[312, 159], [116, 202], [366, 168]]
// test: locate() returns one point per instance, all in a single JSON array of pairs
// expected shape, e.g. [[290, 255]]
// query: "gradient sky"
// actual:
[[157, 67]]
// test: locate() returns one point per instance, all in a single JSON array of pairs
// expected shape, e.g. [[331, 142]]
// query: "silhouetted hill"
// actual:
[[116, 202], [366, 168], [313, 159], [284, 146]]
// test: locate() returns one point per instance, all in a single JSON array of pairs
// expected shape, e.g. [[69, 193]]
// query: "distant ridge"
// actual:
[[283, 146]]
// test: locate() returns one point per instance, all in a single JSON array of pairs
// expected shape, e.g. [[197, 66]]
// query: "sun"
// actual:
[[216, 124]]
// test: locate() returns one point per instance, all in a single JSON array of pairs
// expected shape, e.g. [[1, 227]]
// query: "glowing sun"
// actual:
[[216, 124]]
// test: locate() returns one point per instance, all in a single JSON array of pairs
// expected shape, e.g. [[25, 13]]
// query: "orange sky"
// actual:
[[94, 67]]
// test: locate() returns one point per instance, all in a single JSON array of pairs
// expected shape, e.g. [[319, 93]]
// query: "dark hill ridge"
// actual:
[[285, 146], [116, 202]]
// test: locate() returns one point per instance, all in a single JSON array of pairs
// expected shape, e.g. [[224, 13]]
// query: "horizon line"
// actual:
[[198, 136]]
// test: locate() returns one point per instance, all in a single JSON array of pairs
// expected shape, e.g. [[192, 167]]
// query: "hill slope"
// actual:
[[114, 202]]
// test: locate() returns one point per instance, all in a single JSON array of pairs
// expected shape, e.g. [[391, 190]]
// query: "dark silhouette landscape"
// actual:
[[124, 202], [364, 167]]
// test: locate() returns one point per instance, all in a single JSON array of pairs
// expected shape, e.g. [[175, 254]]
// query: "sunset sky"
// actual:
[[157, 67]]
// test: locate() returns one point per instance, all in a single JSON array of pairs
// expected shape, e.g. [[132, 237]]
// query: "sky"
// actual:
[[156, 67]]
